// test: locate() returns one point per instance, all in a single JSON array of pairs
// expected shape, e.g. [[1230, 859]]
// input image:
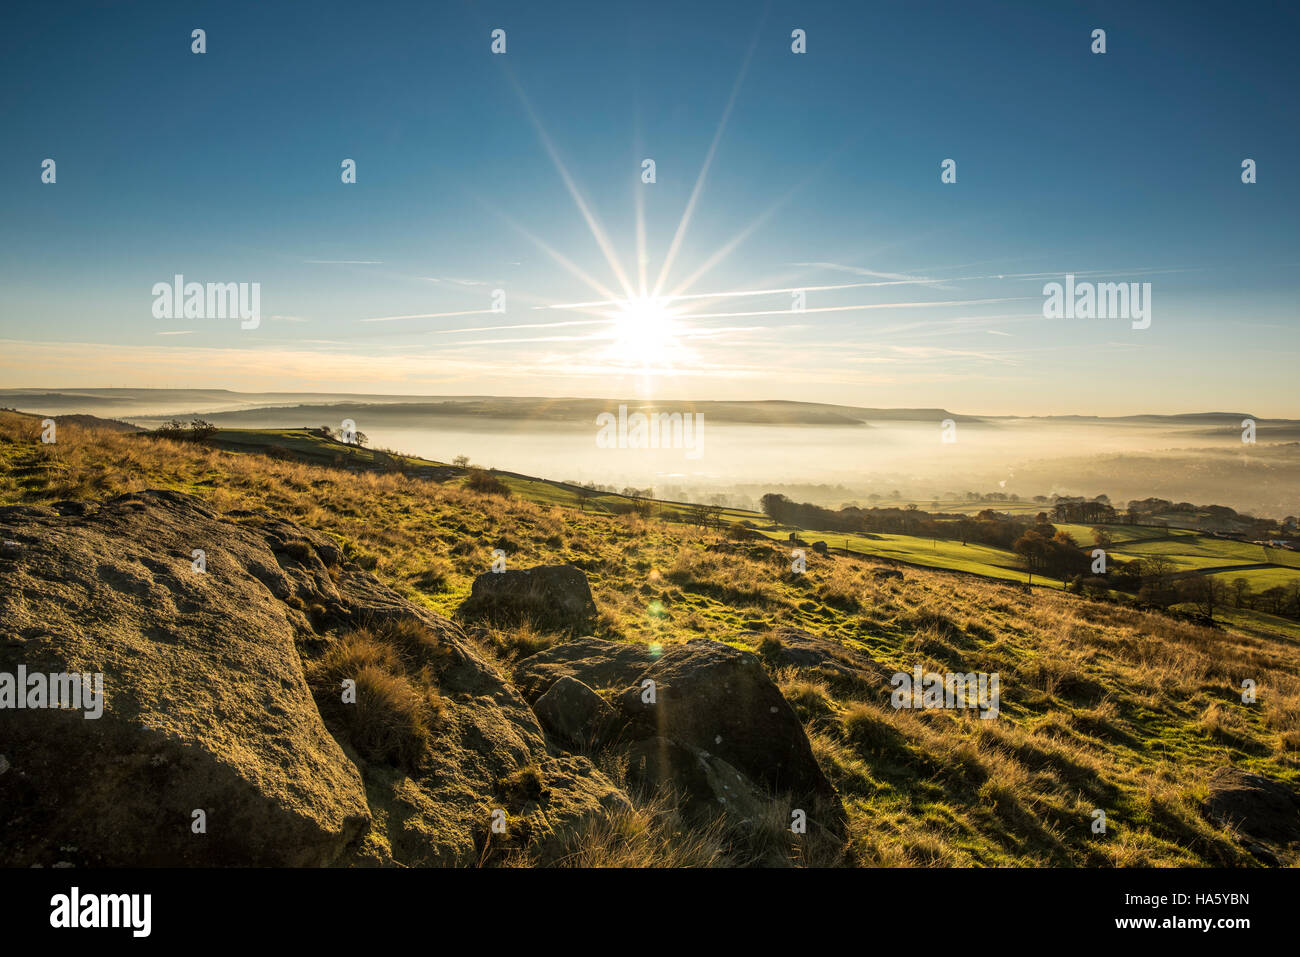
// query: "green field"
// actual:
[[1188, 550], [1262, 578], [1121, 534], [950, 555], [1193, 548]]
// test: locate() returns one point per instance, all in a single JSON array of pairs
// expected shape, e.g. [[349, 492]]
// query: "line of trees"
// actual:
[[195, 431], [1048, 550], [989, 527]]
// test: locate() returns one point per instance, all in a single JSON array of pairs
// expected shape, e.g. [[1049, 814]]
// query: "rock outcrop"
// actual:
[[206, 705], [718, 698], [704, 782], [207, 631], [696, 714], [573, 712], [548, 596], [1266, 812], [793, 648], [224, 735]]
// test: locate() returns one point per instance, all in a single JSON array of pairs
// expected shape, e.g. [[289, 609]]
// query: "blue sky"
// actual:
[[225, 167]]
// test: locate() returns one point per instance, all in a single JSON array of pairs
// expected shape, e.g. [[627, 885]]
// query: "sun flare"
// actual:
[[645, 333]]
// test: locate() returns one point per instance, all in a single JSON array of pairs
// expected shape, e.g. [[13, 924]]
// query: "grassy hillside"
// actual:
[[1102, 707]]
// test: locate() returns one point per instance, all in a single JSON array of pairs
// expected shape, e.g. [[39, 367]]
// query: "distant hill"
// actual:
[[284, 408], [577, 412], [87, 421]]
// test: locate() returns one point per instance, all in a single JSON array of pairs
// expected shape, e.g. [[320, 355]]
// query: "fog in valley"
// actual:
[[743, 450]]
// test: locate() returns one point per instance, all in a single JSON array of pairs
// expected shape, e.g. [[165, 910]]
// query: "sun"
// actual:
[[645, 333]]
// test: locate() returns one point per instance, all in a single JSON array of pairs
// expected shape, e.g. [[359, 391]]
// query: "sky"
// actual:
[[775, 171]]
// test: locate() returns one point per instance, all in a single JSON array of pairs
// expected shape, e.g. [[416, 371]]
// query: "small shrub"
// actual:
[[485, 483]]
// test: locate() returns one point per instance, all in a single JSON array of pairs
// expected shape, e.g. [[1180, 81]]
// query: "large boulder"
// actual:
[[721, 700], [1260, 808], [702, 783], [574, 713], [705, 695], [597, 663], [214, 703], [206, 705], [551, 597]]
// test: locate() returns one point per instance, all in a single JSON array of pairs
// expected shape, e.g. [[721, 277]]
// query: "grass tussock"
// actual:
[[391, 708]]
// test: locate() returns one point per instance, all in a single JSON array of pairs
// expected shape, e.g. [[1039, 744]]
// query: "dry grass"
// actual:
[[1103, 707], [396, 707], [646, 834]]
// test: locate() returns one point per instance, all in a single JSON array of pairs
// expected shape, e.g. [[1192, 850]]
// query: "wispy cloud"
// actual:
[[433, 315], [878, 305], [862, 271]]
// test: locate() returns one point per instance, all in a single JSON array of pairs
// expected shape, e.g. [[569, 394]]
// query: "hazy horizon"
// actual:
[[12, 392], [833, 454]]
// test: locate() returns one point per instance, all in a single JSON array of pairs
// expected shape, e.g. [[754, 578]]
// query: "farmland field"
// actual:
[[1262, 578]]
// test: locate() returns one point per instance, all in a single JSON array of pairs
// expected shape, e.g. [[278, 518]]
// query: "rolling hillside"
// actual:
[[1103, 707]]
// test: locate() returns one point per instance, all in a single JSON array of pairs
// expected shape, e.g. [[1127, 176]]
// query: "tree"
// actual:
[[1203, 591], [1273, 599], [1123, 575], [1157, 568], [1032, 547], [1240, 592], [1156, 589], [776, 507], [486, 483], [196, 431], [461, 461]]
